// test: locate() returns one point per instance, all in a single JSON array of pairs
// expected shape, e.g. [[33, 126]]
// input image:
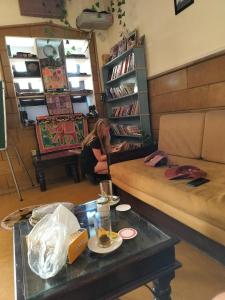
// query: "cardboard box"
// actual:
[[77, 245]]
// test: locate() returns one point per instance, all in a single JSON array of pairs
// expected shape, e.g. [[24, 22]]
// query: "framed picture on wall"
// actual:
[[41, 8], [180, 5]]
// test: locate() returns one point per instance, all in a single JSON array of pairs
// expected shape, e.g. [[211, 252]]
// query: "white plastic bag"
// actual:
[[43, 210], [48, 242]]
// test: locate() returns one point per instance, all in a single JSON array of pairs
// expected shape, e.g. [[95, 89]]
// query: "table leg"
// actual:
[[74, 172], [162, 287], [41, 179], [36, 174]]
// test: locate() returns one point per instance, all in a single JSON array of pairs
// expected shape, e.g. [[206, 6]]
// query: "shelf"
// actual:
[[32, 102], [127, 136], [24, 58], [124, 117], [121, 77], [78, 75], [118, 58], [26, 77], [122, 97], [80, 93], [31, 96], [77, 58]]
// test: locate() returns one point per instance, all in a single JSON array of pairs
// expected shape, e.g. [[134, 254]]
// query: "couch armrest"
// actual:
[[129, 154]]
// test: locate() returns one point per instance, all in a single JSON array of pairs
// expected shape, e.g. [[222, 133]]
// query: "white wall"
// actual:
[[171, 40]]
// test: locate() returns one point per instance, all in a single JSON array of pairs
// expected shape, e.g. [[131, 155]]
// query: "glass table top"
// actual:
[[148, 241]]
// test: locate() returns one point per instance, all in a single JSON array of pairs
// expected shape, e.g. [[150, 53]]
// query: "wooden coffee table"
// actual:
[[150, 256]]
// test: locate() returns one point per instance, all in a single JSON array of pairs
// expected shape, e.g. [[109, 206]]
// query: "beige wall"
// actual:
[[172, 41]]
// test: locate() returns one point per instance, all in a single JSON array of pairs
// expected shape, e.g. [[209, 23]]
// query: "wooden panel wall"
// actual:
[[24, 138], [200, 86]]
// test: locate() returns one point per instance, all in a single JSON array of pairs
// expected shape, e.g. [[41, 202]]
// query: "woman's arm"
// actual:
[[98, 155]]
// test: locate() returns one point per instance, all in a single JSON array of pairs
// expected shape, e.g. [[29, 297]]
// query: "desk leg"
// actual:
[[41, 179], [75, 173], [162, 287]]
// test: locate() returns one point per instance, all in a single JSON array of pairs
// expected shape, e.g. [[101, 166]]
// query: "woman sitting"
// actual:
[[95, 148]]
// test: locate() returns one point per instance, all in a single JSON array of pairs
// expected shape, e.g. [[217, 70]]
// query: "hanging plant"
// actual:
[[64, 13], [116, 8], [61, 5]]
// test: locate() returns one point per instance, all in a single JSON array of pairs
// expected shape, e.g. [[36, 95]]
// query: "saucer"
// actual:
[[93, 245], [123, 207], [113, 201], [127, 233]]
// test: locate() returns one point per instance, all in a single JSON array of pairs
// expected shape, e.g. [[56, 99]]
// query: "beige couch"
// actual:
[[190, 139]]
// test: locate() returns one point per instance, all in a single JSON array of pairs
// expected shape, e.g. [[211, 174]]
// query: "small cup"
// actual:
[[103, 230], [106, 188]]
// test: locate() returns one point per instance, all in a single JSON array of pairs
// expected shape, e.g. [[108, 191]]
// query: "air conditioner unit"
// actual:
[[94, 20]]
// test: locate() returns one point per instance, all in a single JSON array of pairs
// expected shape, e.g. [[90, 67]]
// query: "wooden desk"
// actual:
[[69, 158]]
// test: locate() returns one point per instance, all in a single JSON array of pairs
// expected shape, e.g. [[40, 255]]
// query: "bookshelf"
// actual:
[[125, 85]]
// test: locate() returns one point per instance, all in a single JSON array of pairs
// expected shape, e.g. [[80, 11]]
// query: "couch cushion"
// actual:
[[181, 134], [206, 202], [213, 148]]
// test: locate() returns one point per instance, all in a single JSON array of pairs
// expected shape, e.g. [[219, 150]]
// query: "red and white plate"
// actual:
[[127, 233]]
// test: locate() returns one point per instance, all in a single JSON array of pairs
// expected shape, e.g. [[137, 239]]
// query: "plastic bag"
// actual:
[[49, 240], [43, 210]]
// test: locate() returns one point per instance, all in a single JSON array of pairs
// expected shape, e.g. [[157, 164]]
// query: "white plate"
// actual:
[[93, 245], [123, 207]]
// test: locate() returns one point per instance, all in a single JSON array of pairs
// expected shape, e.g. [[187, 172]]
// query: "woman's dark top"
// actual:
[[87, 159]]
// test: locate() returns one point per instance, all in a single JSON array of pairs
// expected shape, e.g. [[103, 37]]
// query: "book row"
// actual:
[[125, 66], [124, 89], [125, 110], [119, 129], [124, 146], [131, 146]]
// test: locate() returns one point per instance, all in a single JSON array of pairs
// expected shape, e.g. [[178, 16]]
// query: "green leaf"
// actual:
[[64, 12], [119, 10], [113, 9], [119, 17], [119, 3], [97, 4], [123, 14]]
